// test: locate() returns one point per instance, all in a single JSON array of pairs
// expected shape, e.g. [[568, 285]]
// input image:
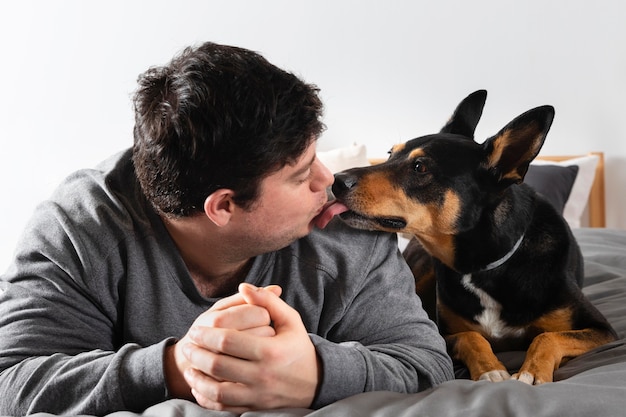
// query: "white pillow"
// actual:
[[340, 159], [577, 201]]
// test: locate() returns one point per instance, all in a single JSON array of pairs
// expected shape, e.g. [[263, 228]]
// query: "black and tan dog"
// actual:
[[508, 269]]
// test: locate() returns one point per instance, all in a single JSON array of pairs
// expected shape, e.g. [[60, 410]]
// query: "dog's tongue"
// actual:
[[330, 210]]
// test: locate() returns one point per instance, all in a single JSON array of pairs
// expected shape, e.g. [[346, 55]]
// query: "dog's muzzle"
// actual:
[[344, 182]]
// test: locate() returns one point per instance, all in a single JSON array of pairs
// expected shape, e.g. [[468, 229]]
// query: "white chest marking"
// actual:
[[489, 319]]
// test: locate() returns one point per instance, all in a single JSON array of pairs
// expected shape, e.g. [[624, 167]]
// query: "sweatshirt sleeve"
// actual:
[[384, 341], [61, 342], [50, 341]]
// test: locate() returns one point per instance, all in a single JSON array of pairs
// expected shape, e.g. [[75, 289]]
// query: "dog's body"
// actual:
[[508, 269]]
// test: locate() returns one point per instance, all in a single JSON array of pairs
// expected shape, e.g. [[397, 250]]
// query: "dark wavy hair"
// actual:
[[218, 117]]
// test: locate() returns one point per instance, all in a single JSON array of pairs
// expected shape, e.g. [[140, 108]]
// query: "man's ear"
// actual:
[[219, 206]]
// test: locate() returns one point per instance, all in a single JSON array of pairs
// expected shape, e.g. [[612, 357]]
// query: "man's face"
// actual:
[[289, 200]]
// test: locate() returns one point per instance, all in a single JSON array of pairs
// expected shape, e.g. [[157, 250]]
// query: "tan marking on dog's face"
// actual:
[[416, 153], [434, 224], [431, 219], [398, 148], [377, 196], [437, 235], [449, 212]]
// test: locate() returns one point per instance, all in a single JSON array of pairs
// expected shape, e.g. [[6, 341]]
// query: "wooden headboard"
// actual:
[[596, 202]]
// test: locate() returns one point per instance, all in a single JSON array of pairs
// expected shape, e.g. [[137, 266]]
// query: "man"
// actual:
[[190, 266]]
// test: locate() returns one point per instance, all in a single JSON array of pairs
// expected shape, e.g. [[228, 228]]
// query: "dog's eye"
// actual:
[[421, 167]]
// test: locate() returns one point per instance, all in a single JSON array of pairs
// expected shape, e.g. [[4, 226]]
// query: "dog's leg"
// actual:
[[475, 352], [547, 351]]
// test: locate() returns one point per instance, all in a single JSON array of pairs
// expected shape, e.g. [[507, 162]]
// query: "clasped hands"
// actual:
[[249, 351]]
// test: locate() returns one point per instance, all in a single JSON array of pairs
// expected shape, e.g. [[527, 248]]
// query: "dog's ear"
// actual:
[[467, 114], [510, 152]]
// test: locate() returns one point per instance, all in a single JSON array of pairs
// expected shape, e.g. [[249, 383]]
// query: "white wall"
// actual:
[[389, 71]]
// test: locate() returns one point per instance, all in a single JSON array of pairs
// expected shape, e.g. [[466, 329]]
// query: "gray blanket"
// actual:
[[593, 384]]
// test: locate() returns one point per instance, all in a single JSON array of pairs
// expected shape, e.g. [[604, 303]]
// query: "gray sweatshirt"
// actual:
[[97, 290]]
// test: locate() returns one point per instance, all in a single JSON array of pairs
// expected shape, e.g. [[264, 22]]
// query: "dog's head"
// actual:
[[438, 185]]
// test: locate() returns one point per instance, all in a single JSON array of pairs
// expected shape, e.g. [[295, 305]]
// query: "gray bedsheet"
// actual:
[[593, 384]]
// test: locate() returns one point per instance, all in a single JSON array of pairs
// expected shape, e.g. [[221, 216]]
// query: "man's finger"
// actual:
[[280, 312], [222, 366], [237, 299], [239, 317], [236, 344], [216, 395]]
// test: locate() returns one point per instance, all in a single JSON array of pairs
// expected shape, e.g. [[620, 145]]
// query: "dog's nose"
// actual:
[[343, 183]]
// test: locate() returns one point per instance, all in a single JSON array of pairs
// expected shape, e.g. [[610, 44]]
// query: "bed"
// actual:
[[593, 384]]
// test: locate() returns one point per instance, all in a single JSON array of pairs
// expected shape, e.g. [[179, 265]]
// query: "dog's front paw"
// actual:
[[496, 375], [529, 378]]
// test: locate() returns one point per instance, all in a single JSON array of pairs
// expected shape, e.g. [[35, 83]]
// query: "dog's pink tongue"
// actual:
[[330, 210]]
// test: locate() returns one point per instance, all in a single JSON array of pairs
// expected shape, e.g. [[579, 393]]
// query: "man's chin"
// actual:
[[297, 235]]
